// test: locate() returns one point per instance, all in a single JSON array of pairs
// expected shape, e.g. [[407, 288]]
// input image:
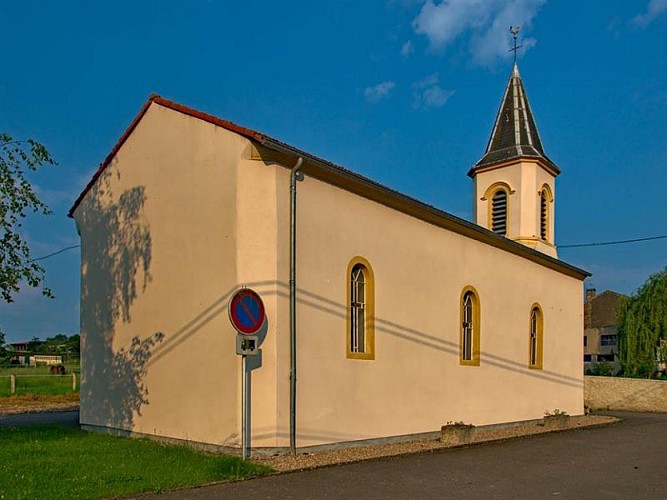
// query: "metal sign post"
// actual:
[[245, 448], [247, 314]]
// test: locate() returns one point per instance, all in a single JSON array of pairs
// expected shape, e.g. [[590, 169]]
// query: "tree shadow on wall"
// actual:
[[116, 250]]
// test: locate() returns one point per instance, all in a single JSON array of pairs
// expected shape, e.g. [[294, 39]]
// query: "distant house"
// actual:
[[21, 354], [23, 346], [600, 337]]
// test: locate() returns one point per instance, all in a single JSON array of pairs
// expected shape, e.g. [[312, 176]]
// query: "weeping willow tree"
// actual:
[[642, 328]]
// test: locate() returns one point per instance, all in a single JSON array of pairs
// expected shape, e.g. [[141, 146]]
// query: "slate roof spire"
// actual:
[[514, 133]]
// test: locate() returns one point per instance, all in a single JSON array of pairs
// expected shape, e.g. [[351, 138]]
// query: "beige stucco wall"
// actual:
[[203, 218], [416, 383], [615, 393], [158, 233], [525, 178]]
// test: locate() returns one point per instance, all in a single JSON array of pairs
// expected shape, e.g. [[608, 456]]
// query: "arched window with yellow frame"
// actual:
[[360, 310], [469, 327], [535, 344]]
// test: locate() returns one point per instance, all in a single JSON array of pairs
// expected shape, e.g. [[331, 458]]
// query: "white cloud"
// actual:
[[436, 97], [378, 92], [483, 23], [54, 197], [407, 48], [427, 82], [429, 94], [653, 10]]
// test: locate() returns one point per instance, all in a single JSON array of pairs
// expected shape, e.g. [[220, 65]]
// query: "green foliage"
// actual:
[[642, 325], [3, 350], [55, 462], [602, 369], [17, 197], [557, 412], [58, 344]]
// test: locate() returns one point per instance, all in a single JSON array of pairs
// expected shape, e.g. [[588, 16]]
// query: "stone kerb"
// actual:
[[627, 394]]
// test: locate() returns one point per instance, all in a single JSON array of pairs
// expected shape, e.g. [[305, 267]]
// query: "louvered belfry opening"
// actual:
[[499, 212], [543, 215]]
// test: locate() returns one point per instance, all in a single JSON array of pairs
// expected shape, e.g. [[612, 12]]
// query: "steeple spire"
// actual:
[[514, 188], [514, 133]]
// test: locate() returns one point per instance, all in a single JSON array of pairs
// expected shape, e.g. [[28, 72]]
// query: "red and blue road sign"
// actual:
[[246, 311]]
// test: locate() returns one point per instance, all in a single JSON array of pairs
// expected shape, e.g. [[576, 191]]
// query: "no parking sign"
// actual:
[[246, 311], [247, 314]]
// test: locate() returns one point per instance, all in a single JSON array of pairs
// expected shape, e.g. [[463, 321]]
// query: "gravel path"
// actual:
[[29, 404], [305, 461]]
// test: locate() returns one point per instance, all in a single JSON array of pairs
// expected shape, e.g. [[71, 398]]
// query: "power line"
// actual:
[[578, 245], [620, 242], [55, 253]]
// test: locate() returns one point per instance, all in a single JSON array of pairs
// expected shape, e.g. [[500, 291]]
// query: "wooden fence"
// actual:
[[12, 380]]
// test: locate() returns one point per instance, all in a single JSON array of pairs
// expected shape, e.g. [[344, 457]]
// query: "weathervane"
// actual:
[[515, 34]]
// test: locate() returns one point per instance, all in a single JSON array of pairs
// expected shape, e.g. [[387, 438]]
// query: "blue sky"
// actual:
[[402, 91]]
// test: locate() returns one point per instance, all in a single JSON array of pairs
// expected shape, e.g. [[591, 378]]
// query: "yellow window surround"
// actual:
[[368, 351], [488, 197], [535, 337], [471, 357]]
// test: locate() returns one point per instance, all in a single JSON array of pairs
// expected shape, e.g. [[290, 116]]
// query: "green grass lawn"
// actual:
[[37, 380], [35, 370], [56, 462], [52, 385]]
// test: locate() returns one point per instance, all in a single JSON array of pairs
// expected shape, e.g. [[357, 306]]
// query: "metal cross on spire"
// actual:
[[515, 34]]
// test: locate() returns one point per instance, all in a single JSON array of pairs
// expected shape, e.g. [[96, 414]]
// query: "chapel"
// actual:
[[386, 317]]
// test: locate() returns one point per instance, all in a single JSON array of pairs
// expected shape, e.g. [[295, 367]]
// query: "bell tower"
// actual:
[[514, 182]]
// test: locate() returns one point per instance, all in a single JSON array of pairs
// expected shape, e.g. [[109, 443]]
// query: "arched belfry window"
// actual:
[[470, 327], [497, 197], [536, 337], [499, 212], [360, 310], [545, 200]]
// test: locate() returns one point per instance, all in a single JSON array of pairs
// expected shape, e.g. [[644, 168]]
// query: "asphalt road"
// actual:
[[65, 418], [627, 460]]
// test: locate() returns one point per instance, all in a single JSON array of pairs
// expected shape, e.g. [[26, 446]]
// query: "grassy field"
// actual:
[[34, 370], [52, 385], [55, 462], [37, 380]]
